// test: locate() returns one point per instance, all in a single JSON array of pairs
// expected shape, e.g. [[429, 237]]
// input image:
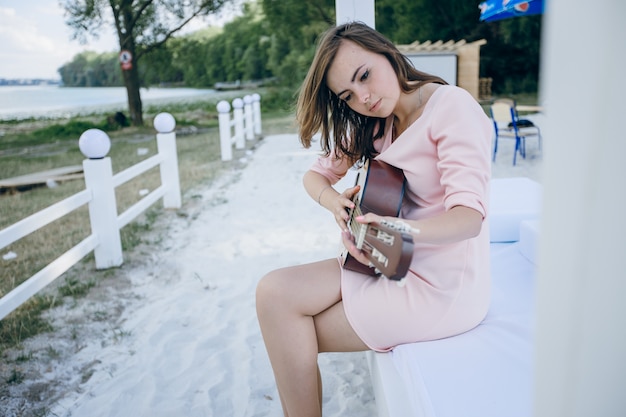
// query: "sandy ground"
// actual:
[[173, 332]]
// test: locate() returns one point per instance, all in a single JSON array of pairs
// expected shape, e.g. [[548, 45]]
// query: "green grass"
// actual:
[[531, 99], [26, 321]]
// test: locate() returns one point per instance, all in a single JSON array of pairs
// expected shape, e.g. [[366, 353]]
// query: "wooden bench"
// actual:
[[488, 371], [41, 178]]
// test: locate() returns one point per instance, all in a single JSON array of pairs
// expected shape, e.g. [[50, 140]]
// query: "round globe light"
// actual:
[[94, 143], [164, 123], [238, 103], [223, 106], [256, 97], [247, 99]]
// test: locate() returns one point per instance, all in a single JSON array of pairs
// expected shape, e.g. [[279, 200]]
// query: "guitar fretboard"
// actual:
[[357, 229]]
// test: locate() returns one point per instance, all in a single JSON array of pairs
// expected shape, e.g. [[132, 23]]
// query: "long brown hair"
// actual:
[[319, 109]]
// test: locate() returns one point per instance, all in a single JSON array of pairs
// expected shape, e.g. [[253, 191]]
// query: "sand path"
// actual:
[[191, 345]]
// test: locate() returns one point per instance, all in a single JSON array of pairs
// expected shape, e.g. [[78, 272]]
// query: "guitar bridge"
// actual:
[[382, 259], [384, 237], [387, 239]]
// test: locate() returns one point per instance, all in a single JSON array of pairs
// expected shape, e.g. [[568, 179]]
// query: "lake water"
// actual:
[[17, 102]]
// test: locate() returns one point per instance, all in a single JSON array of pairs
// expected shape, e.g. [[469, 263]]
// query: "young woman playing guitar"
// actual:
[[369, 103]]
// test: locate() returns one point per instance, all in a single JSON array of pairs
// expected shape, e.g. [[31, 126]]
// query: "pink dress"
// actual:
[[445, 156]]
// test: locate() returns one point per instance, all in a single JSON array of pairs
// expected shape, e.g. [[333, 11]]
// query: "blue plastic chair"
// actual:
[[507, 124]]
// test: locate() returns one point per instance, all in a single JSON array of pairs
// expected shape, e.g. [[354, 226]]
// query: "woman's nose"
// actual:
[[364, 96]]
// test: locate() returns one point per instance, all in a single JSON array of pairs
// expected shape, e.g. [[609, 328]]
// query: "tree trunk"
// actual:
[[131, 82], [125, 24]]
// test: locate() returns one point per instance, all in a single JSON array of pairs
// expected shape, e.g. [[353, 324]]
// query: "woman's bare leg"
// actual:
[[300, 313], [319, 394]]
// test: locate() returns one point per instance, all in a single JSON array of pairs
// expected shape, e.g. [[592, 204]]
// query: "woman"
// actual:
[[369, 102]]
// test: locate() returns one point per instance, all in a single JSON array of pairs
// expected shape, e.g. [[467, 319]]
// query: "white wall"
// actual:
[[445, 66], [581, 289]]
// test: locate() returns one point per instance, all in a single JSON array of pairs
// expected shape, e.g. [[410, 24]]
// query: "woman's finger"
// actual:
[[368, 218], [348, 242], [341, 219]]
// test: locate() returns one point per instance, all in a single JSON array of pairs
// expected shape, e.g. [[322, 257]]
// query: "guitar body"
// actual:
[[390, 251]]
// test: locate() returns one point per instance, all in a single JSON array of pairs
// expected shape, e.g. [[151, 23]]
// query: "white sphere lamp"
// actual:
[[164, 123], [238, 103], [223, 106], [94, 143], [256, 97], [247, 99]]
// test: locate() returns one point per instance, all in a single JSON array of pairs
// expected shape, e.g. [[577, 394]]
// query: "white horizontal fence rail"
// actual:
[[45, 276], [244, 124], [99, 194], [52, 271], [42, 218]]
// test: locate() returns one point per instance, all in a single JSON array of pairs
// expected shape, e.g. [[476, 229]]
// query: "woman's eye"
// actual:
[[365, 75], [347, 98]]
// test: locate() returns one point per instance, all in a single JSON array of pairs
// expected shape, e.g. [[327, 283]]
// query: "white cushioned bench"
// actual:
[[513, 200], [486, 372]]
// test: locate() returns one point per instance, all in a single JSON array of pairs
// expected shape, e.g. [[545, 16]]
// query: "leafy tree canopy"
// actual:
[[276, 39], [141, 26]]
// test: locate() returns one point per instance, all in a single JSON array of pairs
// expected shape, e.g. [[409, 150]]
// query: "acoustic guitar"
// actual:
[[389, 250]]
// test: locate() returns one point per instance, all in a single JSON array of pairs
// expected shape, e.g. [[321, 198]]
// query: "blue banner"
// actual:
[[491, 10]]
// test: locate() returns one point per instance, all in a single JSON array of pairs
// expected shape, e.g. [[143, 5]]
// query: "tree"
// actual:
[[295, 26], [141, 26], [406, 21], [510, 57]]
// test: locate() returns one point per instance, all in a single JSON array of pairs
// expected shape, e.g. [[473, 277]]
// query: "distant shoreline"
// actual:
[[26, 82], [54, 102]]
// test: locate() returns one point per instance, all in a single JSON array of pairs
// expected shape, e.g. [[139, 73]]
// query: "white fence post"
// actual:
[[246, 121], [256, 109], [239, 126], [223, 110], [247, 100], [99, 195], [95, 145], [165, 123]]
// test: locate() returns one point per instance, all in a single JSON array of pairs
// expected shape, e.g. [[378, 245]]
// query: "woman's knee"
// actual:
[[270, 290]]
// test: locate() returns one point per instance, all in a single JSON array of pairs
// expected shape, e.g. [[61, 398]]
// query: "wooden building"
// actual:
[[457, 62]]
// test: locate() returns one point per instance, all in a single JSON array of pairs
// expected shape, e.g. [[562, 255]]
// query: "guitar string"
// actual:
[[359, 231], [356, 227]]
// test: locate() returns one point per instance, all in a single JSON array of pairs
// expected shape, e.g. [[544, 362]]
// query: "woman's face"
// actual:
[[364, 80]]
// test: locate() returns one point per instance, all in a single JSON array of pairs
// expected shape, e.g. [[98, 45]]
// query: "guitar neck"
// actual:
[[358, 230]]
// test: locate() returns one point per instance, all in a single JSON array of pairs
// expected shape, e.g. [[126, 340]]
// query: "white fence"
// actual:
[[99, 194], [242, 125]]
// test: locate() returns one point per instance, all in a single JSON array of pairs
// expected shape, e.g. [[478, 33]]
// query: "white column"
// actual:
[[581, 285], [170, 178], [355, 10], [103, 212], [95, 145], [165, 124], [249, 117], [239, 123], [256, 109], [223, 110]]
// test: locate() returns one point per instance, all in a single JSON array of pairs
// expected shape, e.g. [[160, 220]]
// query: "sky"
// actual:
[[35, 41]]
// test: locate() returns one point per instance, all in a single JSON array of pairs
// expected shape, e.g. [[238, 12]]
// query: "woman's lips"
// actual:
[[375, 106]]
